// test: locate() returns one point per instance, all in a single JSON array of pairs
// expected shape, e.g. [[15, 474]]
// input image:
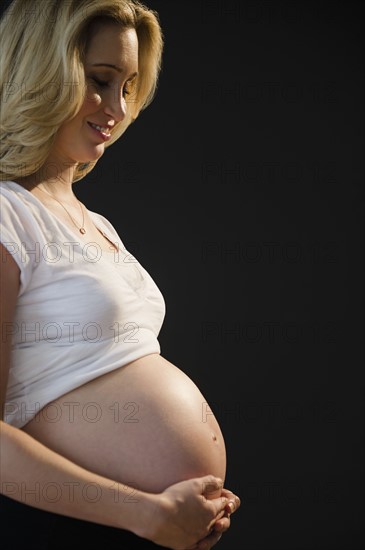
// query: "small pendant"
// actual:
[[82, 231]]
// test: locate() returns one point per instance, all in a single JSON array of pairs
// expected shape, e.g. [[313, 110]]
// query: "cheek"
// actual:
[[91, 104], [68, 131], [92, 99]]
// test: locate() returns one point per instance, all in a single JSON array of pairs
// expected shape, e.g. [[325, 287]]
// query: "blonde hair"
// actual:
[[42, 79]]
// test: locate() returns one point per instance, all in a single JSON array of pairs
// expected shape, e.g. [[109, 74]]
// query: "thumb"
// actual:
[[210, 485]]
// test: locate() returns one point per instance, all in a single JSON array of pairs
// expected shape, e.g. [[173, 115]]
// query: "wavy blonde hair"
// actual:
[[42, 78]]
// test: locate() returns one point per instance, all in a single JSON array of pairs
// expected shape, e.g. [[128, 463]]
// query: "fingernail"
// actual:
[[231, 506]]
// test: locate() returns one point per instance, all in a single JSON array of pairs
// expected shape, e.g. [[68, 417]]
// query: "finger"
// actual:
[[234, 502], [230, 495], [222, 524], [227, 493], [211, 484], [209, 541], [219, 507]]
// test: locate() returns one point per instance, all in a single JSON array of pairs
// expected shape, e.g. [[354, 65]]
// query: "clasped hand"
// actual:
[[193, 514]]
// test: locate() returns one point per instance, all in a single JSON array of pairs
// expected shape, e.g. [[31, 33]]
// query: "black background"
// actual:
[[240, 190]]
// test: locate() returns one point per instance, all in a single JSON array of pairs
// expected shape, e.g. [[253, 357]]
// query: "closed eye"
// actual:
[[105, 84], [100, 83]]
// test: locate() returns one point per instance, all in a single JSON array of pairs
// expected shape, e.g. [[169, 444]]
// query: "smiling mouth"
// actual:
[[104, 131]]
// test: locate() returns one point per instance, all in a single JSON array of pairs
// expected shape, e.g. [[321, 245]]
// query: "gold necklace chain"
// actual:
[[82, 228]]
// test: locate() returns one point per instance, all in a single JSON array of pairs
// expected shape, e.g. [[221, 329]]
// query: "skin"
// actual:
[[106, 104]]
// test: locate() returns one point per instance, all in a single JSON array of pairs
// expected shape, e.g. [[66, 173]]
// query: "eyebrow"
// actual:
[[119, 69]]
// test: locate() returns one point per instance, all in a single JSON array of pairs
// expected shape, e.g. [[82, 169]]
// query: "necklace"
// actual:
[[81, 229]]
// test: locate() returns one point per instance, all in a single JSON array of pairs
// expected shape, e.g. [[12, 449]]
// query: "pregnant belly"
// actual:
[[146, 425]]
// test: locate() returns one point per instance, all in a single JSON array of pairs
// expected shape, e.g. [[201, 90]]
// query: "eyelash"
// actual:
[[104, 84], [100, 83]]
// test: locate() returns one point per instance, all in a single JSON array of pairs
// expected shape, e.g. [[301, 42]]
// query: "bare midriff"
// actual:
[[145, 424]]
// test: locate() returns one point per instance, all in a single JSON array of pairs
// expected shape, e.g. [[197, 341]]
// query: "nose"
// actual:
[[116, 106]]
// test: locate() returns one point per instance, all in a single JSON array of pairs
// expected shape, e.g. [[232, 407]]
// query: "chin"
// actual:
[[92, 156]]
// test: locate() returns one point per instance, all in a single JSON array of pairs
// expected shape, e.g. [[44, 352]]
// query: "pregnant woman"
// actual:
[[97, 427]]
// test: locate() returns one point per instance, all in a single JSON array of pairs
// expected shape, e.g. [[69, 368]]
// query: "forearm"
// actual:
[[178, 518], [35, 475]]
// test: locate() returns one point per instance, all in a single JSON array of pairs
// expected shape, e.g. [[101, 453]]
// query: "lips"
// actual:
[[102, 131]]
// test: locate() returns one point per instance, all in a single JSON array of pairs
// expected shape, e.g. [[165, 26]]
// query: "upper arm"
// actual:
[[9, 289]]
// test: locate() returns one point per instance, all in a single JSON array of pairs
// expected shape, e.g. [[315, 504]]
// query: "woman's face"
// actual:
[[111, 63]]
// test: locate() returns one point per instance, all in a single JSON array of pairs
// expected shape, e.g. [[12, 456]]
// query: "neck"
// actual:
[[57, 182]]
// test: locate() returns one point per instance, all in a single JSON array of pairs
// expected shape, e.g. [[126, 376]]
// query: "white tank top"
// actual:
[[81, 311]]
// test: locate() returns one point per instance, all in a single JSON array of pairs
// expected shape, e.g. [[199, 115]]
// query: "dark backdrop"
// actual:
[[240, 190]]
